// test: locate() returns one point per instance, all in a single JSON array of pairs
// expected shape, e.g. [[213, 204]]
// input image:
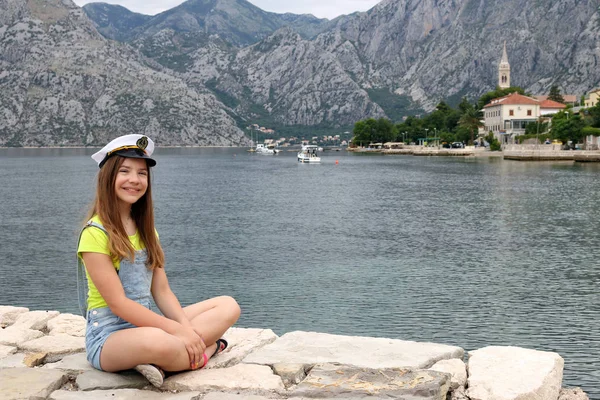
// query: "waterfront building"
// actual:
[[508, 116], [592, 98]]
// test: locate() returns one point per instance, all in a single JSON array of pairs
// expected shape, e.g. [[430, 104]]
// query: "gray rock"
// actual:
[[291, 374], [456, 368], [120, 394], [100, 380], [329, 381], [56, 347], [310, 348], [460, 393], [256, 378], [16, 360], [242, 341], [36, 320], [17, 335], [29, 383], [8, 314], [68, 324], [572, 394], [6, 351], [73, 365], [232, 396], [511, 373]]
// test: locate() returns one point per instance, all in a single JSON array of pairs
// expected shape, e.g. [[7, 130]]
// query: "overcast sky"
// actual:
[[319, 8]]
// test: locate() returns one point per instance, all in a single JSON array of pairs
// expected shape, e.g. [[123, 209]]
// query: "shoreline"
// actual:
[[46, 350]]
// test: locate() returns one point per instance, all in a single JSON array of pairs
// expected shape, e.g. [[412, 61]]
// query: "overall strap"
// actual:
[[82, 287]]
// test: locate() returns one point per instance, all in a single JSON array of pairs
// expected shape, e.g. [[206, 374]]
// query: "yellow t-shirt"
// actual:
[[94, 240]]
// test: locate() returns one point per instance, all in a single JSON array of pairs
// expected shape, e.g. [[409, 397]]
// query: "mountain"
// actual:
[[283, 80], [63, 84], [237, 21], [114, 21], [405, 54], [437, 49], [190, 74]]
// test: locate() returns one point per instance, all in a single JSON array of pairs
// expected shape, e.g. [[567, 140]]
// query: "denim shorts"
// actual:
[[101, 322]]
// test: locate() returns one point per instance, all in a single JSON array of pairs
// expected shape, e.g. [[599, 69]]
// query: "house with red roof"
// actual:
[[508, 116]]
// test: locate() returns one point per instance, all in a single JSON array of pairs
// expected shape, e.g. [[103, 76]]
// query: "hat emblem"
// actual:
[[142, 142]]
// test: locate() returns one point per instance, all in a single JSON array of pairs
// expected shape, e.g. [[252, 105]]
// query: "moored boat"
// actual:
[[308, 154]]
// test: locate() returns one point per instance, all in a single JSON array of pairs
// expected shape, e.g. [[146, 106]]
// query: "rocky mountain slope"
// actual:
[[210, 61], [237, 21], [401, 53], [62, 83], [113, 21], [435, 49]]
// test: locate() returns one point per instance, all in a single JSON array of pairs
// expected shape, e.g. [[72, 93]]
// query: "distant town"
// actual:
[[261, 134]]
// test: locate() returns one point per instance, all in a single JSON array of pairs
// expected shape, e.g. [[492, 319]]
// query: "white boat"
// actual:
[[262, 149], [308, 154]]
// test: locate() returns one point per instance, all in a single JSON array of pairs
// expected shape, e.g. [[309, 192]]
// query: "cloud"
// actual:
[[319, 8]]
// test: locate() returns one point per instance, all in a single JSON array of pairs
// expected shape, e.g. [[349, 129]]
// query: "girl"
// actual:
[[124, 264]]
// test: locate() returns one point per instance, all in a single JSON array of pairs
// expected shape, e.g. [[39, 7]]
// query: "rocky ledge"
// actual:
[[42, 356]]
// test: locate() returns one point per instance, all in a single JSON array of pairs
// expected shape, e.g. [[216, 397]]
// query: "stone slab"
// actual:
[[242, 341], [334, 381], [121, 394], [258, 378], [37, 320], [312, 348], [68, 324], [16, 335], [511, 373], [8, 314], [16, 360], [72, 365], [291, 374], [572, 394], [231, 396], [34, 359], [56, 347], [6, 351], [29, 383], [457, 370], [100, 380]]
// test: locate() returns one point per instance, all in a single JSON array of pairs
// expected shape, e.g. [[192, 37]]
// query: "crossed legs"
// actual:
[[130, 347]]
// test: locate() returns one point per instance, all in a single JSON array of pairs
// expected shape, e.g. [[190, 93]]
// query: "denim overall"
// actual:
[[136, 279]]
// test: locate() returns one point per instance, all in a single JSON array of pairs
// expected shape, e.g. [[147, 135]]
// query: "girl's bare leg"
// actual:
[[213, 317], [128, 348]]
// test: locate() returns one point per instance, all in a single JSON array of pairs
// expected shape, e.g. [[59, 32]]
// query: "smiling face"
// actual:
[[131, 181]]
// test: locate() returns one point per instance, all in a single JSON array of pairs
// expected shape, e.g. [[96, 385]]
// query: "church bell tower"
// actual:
[[504, 70]]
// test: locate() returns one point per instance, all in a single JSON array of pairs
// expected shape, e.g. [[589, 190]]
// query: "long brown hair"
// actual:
[[106, 207]]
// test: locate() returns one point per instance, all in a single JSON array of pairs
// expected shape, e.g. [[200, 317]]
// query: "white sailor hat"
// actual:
[[129, 146]]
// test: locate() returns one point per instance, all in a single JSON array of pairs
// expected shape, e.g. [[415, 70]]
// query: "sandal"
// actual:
[[221, 346], [151, 372]]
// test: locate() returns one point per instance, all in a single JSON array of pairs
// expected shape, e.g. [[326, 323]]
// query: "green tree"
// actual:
[[471, 120], [363, 131], [385, 131], [555, 95], [494, 143], [594, 114], [567, 129]]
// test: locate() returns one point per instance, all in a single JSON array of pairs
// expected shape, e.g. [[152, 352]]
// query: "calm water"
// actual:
[[468, 252]]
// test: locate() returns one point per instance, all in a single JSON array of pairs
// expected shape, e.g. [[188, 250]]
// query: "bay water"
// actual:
[[463, 251]]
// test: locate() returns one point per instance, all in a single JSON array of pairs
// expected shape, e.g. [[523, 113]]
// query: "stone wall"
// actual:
[[42, 356]]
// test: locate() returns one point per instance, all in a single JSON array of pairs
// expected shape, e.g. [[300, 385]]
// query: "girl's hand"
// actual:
[[194, 344]]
